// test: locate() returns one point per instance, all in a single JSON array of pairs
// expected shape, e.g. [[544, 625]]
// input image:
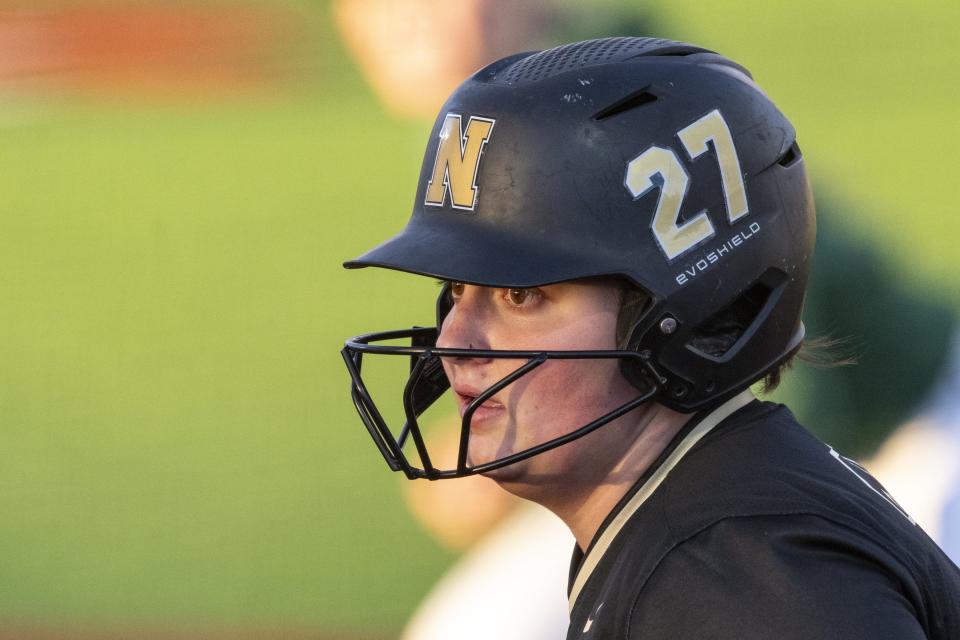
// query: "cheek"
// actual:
[[563, 395]]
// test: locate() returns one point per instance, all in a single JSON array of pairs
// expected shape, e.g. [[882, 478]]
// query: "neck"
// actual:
[[584, 498]]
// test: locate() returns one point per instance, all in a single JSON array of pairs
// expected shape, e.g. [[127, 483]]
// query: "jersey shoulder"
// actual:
[[761, 488], [761, 461], [791, 577]]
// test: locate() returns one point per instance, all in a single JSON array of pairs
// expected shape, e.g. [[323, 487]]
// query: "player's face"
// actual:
[[552, 400]]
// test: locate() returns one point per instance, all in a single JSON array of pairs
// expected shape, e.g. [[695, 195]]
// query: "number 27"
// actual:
[[674, 238]]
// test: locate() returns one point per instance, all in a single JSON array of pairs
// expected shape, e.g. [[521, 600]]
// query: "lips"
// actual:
[[488, 410]]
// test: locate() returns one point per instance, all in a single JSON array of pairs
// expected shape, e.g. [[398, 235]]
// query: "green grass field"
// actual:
[[179, 447]]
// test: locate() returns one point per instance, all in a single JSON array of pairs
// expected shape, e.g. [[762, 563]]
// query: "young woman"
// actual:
[[624, 228]]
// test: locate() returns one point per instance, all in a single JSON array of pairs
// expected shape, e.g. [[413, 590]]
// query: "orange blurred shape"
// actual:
[[414, 53], [143, 48], [458, 513]]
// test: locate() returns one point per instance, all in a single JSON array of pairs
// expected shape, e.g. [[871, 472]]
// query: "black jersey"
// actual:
[[749, 527]]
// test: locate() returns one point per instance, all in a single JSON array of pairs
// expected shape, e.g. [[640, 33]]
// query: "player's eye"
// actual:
[[456, 289], [518, 296], [521, 297]]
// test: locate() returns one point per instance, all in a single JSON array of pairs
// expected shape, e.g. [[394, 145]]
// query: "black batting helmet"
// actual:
[[654, 161]]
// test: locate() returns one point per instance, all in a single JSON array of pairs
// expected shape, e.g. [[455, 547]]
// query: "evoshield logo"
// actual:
[[457, 162], [716, 254]]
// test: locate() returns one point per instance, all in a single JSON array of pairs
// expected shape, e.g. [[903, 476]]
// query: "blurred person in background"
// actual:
[[413, 53], [920, 462]]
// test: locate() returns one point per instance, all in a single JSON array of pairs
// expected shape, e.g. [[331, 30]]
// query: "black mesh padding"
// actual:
[[589, 52], [721, 332]]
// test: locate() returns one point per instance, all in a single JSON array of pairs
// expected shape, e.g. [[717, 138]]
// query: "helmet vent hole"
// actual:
[[720, 336], [792, 155], [632, 101]]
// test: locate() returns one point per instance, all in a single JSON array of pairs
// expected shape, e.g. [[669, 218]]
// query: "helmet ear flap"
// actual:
[[444, 304], [636, 306], [432, 381], [633, 370]]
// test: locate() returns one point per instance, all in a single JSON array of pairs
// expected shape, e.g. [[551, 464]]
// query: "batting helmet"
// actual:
[[653, 161]]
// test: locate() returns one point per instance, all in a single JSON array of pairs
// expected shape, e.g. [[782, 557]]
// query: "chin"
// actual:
[[524, 481], [506, 475]]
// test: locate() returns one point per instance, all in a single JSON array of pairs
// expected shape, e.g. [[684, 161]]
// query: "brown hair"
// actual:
[[633, 304], [822, 352]]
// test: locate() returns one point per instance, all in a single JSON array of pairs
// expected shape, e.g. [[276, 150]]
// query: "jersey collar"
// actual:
[[602, 543]]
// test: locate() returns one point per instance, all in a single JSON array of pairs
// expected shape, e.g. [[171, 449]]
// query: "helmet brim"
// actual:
[[483, 257]]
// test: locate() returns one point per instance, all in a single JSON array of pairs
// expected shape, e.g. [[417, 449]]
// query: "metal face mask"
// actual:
[[655, 162], [427, 382]]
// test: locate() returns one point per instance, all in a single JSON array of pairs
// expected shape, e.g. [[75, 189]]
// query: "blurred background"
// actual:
[[179, 183]]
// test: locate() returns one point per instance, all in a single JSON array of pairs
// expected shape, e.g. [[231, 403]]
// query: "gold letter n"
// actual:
[[457, 162]]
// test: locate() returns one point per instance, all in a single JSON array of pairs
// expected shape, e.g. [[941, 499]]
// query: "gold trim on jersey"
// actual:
[[712, 419]]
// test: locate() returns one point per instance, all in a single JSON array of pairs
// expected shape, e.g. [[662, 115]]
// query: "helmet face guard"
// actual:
[[654, 162], [427, 382]]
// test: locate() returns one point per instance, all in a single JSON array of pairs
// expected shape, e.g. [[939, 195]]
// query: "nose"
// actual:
[[466, 324]]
